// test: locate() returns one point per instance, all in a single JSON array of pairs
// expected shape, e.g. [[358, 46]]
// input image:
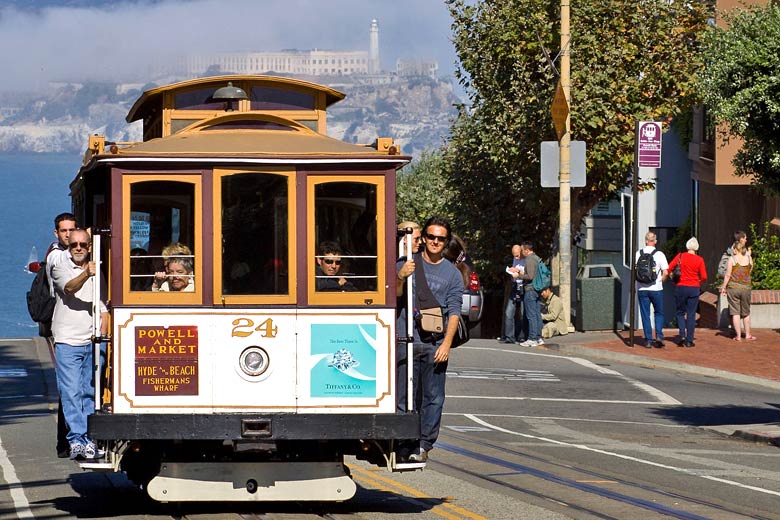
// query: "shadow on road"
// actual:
[[720, 415]]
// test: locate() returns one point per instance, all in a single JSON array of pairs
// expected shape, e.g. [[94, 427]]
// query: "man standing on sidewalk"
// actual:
[[514, 329], [531, 297], [651, 292]]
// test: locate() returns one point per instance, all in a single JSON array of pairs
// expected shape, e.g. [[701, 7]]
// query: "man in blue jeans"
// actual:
[[533, 311], [432, 351], [515, 326], [652, 293], [73, 277]]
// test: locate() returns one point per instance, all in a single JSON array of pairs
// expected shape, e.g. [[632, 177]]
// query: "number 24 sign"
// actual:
[[245, 327]]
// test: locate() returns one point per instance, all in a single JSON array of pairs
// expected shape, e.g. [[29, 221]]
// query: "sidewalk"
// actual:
[[716, 354]]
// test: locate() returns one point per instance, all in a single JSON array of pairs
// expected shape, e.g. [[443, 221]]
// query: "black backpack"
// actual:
[[646, 271], [40, 302]]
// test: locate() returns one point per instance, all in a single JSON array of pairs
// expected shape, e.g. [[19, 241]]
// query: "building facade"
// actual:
[[309, 63], [723, 202]]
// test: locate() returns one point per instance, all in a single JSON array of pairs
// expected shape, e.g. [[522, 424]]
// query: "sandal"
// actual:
[[751, 338]]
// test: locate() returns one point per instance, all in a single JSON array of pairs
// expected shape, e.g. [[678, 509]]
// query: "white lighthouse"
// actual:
[[373, 48]]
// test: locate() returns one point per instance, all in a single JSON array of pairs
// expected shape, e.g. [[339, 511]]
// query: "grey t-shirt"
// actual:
[[446, 284]]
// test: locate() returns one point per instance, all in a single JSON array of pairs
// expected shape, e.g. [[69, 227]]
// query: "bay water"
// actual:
[[34, 188]]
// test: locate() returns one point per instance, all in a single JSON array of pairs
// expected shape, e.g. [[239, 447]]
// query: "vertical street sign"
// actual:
[[649, 144], [647, 154]]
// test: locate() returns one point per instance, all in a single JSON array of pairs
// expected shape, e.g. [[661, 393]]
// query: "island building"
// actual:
[[309, 63]]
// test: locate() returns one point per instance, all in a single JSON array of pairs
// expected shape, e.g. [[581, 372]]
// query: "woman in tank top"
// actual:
[[736, 286]]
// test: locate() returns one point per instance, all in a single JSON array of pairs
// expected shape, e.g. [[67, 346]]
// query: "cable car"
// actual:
[[250, 267]]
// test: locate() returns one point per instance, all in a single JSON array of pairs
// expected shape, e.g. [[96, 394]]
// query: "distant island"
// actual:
[[415, 111]]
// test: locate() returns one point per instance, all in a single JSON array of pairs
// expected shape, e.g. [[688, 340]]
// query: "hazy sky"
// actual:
[[116, 40]]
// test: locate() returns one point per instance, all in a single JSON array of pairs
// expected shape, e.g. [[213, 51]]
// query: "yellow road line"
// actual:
[[392, 485]]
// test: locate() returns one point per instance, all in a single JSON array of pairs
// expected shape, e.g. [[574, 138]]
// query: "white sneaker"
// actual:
[[539, 342], [528, 343], [93, 452], [76, 450], [418, 455]]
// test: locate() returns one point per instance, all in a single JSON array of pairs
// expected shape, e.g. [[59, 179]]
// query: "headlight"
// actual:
[[253, 361]]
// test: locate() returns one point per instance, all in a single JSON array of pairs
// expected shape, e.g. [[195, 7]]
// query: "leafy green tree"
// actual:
[[766, 258], [421, 190], [630, 61], [741, 88]]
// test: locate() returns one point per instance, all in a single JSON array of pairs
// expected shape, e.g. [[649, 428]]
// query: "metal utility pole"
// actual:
[[564, 220]]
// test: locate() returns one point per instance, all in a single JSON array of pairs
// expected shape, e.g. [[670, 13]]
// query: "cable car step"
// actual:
[[96, 465], [408, 466]]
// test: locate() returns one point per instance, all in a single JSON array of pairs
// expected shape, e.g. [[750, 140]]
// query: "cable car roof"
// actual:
[[248, 134], [153, 99]]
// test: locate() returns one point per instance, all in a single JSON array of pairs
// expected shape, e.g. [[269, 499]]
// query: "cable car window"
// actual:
[[162, 222], [177, 125], [269, 98], [249, 125], [199, 99], [255, 227], [345, 237]]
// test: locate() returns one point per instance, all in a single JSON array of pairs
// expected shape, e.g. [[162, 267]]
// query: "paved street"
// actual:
[[550, 434]]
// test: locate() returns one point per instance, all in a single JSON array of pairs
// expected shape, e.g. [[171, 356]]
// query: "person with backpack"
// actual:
[[532, 286], [650, 271], [740, 237], [686, 293], [40, 297], [40, 304]]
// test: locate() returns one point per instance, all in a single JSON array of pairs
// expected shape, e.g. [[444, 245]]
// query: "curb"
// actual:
[[582, 350], [758, 433], [759, 437]]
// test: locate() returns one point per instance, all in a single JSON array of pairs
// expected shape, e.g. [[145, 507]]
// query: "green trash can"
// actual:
[[598, 293]]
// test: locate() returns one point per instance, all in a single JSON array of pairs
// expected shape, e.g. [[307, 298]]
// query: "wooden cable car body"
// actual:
[[254, 381]]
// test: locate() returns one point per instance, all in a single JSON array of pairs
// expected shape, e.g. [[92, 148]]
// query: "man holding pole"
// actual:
[[73, 279]]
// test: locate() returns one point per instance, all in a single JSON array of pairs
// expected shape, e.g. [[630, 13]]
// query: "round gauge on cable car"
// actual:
[[253, 361]]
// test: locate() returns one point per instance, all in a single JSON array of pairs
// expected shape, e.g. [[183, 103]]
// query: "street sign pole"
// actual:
[[647, 154], [634, 206], [564, 220]]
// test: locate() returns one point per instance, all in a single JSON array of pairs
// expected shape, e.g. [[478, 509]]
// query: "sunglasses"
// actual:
[[82, 245], [330, 261], [434, 238]]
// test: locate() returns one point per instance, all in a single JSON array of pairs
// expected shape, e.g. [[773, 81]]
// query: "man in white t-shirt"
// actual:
[[653, 294], [74, 278]]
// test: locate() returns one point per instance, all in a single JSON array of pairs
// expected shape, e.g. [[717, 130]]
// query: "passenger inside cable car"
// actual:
[[329, 264], [178, 274]]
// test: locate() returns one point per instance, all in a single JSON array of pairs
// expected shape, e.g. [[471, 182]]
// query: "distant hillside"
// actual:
[[415, 112]]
